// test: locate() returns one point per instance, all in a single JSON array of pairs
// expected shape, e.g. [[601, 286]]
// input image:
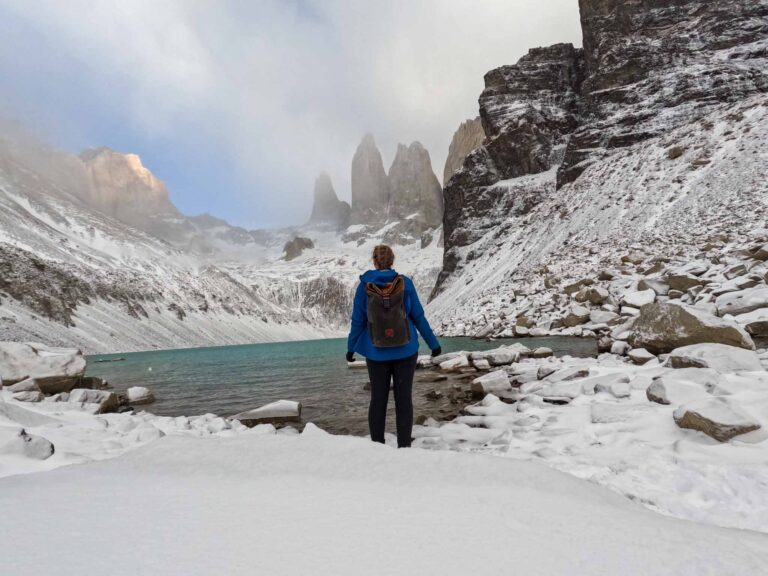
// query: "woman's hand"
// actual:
[[437, 351], [350, 356]]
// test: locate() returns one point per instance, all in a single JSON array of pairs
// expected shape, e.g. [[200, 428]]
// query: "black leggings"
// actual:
[[381, 374]]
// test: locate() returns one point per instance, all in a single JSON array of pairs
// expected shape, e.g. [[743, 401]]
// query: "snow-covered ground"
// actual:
[[317, 504]]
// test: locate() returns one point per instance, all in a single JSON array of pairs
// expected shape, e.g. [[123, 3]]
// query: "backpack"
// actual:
[[387, 320]]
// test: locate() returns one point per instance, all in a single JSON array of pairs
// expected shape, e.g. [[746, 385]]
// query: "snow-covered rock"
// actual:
[[717, 417], [139, 395], [492, 383], [719, 357], [54, 369], [15, 441], [279, 412], [640, 298], [640, 355], [664, 326], [670, 390], [755, 322], [460, 361], [98, 401], [743, 301]]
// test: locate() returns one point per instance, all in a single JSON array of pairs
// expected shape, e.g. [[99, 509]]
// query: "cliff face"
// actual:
[[647, 68], [468, 137], [370, 189], [327, 209], [414, 188]]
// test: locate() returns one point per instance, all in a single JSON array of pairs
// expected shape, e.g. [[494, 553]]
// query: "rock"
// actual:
[[502, 356], [571, 289], [294, 248], [139, 395], [604, 382], [717, 417], [413, 186], [29, 396], [327, 208], [617, 389], [54, 369], [437, 360], [367, 387], [567, 373], [280, 412], [593, 295], [604, 344], [761, 253], [669, 390], [28, 385], [492, 383], [424, 361], [660, 287], [99, 401], [357, 364], [469, 136], [522, 332], [755, 322], [639, 299], [662, 327], [460, 361], [577, 315], [15, 441], [434, 395], [602, 316], [633, 258], [719, 357], [619, 348], [640, 356], [682, 282], [542, 352], [369, 184], [481, 364], [606, 275], [743, 301], [545, 370], [675, 294]]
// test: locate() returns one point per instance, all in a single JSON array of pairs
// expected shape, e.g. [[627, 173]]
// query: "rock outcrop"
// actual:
[[469, 136], [413, 187], [646, 70], [327, 208], [294, 248], [370, 187]]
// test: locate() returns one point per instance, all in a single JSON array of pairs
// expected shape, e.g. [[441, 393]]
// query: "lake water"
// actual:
[[229, 379]]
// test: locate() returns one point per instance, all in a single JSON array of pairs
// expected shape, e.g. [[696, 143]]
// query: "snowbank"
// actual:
[[341, 505]]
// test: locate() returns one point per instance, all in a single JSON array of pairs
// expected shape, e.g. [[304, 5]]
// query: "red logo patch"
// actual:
[[389, 332]]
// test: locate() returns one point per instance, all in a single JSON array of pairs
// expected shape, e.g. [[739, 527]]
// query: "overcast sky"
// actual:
[[238, 105]]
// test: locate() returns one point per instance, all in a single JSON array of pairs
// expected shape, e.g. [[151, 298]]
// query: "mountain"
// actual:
[[326, 206], [467, 137], [649, 138], [370, 188], [413, 186]]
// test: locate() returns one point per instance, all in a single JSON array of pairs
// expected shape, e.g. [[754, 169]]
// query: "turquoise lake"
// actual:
[[229, 379]]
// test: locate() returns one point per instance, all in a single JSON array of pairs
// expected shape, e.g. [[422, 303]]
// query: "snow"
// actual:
[[341, 505]]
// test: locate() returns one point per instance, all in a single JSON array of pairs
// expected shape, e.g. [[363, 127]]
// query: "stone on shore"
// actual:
[[669, 390], [719, 357], [640, 356], [639, 299], [15, 441], [663, 326], [742, 301], [492, 383], [28, 385], [455, 363], [755, 322], [542, 352], [54, 369], [576, 315], [139, 395], [29, 396], [98, 401], [717, 417], [280, 412], [357, 364]]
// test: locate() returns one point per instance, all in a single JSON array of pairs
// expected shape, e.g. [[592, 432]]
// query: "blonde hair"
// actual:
[[383, 257]]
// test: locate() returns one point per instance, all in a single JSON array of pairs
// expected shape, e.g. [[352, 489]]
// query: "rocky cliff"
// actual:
[[327, 209], [468, 137], [370, 188], [638, 139], [414, 188]]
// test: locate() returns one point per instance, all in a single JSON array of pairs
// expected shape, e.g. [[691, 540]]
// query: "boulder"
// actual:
[[633, 258], [742, 301], [617, 389], [604, 344], [660, 287], [594, 295], [491, 383], [755, 322], [576, 315], [640, 356], [567, 373], [542, 352], [502, 356], [717, 417], [682, 282], [437, 360], [139, 395], [602, 316], [603, 382], [460, 361], [761, 253], [280, 412], [28, 385], [29, 396], [357, 364], [663, 326], [15, 441], [619, 348], [639, 299], [670, 390], [481, 364], [719, 357], [99, 401], [545, 370], [54, 369]]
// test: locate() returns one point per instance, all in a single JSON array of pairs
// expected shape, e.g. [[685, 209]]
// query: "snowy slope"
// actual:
[[340, 505]]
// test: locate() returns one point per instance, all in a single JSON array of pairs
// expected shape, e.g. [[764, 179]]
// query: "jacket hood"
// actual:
[[381, 277]]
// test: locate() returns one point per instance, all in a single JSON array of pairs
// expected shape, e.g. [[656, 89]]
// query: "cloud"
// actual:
[[279, 88]]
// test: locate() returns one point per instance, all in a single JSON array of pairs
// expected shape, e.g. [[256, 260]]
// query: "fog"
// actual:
[[238, 105]]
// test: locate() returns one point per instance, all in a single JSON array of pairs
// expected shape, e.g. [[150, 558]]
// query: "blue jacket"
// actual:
[[360, 339]]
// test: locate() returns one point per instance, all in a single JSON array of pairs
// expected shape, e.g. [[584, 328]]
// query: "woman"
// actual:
[[385, 317]]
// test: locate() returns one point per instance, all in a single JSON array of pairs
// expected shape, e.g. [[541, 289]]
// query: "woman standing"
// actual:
[[385, 317]]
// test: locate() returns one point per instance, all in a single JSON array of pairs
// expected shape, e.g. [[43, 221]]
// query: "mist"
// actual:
[[238, 106]]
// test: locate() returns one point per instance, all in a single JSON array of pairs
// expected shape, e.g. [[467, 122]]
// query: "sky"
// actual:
[[239, 105]]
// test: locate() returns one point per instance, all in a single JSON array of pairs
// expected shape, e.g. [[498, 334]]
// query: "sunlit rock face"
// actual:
[[370, 188], [327, 209], [469, 136], [121, 187], [415, 191]]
